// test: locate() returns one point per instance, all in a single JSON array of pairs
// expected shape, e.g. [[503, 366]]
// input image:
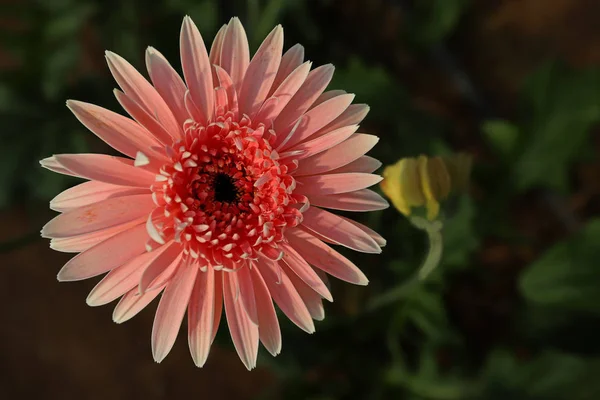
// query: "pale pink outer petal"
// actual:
[[321, 256], [111, 253], [80, 243], [170, 254], [360, 200], [352, 115], [50, 163], [214, 56], [311, 299], [197, 69], [311, 89], [318, 117], [218, 303], [300, 267], [325, 142], [338, 230], [261, 73], [171, 309], [244, 333], [132, 303], [342, 154], [291, 60], [285, 295], [141, 91], [268, 325], [91, 192], [201, 316], [119, 132], [376, 236], [104, 168], [235, 53], [120, 280], [169, 85], [226, 83], [98, 216], [330, 94], [364, 164], [335, 183], [246, 288]]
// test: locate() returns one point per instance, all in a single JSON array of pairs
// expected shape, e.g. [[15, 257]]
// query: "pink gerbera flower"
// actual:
[[222, 199]]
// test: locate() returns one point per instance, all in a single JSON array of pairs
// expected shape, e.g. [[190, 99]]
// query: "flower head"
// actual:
[[221, 199]]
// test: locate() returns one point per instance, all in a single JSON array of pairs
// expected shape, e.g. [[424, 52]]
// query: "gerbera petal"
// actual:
[[335, 183], [311, 299], [168, 255], [339, 230], [171, 309], [107, 169], [342, 154], [360, 200], [352, 115], [320, 255], [325, 142], [290, 61], [244, 333], [132, 303], [52, 164], [98, 216], [268, 325], [364, 164], [376, 236], [330, 94], [201, 316], [111, 253], [169, 85], [246, 288], [261, 73], [119, 132], [91, 192], [235, 53], [218, 303], [300, 267], [197, 68]]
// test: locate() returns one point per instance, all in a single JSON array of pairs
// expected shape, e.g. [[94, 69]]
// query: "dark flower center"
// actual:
[[224, 188]]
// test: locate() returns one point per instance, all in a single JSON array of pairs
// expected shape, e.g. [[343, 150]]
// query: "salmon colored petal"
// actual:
[[352, 115], [311, 89], [300, 267], [226, 83], [320, 255], [311, 299], [214, 56], [261, 73], [218, 303], [290, 61], [246, 288], [268, 325], [171, 309], [141, 91], [318, 117], [107, 169], [98, 216], [119, 132], [235, 53], [132, 303], [120, 280], [111, 253], [52, 164], [79, 243], [360, 200], [201, 316], [325, 142], [91, 192], [170, 254], [337, 156], [330, 94], [244, 333], [285, 295], [376, 236], [339, 230], [169, 85], [364, 164], [335, 183], [197, 68]]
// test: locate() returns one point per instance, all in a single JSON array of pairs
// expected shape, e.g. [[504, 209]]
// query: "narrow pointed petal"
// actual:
[[121, 133], [338, 156], [268, 325], [169, 85], [109, 254], [108, 169], [99, 216], [364, 164], [300, 267], [339, 230], [330, 94], [311, 299], [201, 316], [91, 192], [290, 61], [261, 73], [141, 91], [360, 200], [214, 56], [226, 83], [335, 183], [170, 254], [285, 295], [132, 303], [235, 53], [325, 142], [244, 333], [376, 236], [320, 255], [197, 68], [247, 293], [218, 303], [171, 309], [353, 115], [52, 164]]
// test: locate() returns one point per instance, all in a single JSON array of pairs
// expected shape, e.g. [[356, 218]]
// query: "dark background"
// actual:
[[512, 312]]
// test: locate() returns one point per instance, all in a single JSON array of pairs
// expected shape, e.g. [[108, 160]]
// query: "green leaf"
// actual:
[[567, 276], [459, 236], [502, 136]]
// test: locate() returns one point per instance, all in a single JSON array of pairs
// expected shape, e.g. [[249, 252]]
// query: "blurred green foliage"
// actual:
[[417, 347]]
